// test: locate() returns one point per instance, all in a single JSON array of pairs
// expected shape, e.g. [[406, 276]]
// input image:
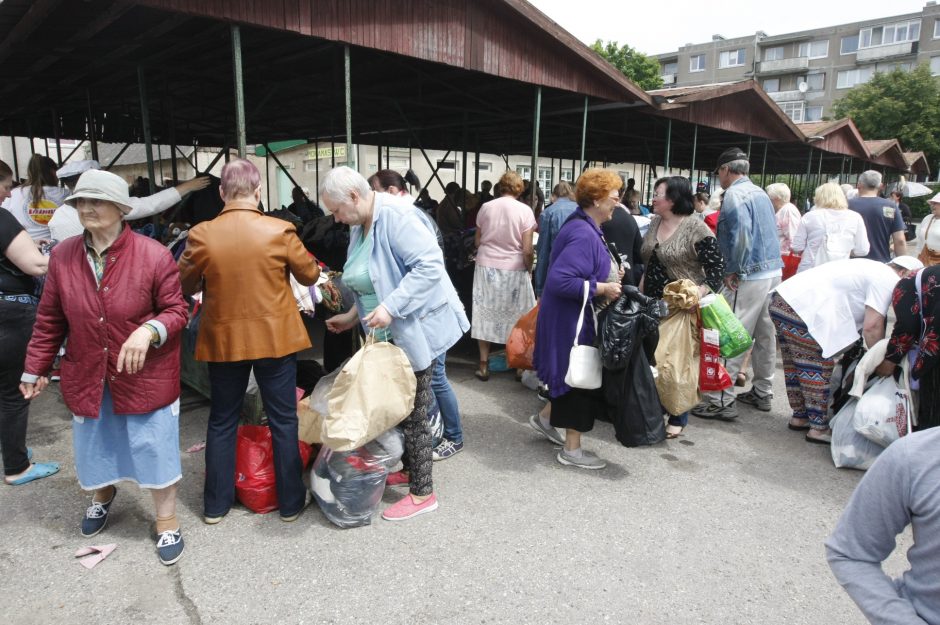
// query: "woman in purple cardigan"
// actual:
[[579, 255]]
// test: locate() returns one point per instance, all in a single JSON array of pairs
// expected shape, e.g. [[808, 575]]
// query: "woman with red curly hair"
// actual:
[[502, 282], [579, 255]]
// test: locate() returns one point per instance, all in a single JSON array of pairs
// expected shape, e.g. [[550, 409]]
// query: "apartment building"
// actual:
[[808, 71]]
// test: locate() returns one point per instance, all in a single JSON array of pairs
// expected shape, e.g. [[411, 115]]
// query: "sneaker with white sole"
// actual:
[[716, 412], [96, 516], [751, 398], [446, 449], [548, 432], [170, 546], [408, 508], [586, 460]]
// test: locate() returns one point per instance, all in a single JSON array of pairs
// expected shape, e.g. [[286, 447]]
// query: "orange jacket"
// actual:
[[241, 261]]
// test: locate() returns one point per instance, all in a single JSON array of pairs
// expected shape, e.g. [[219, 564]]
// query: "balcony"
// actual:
[[669, 79], [787, 96], [783, 66], [885, 52]]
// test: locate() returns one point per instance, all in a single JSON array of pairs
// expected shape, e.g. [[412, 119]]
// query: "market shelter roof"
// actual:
[[888, 153], [838, 136], [917, 162]]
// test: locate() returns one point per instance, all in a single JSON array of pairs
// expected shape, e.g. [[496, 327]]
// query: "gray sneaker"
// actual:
[[586, 460], [714, 411], [550, 433], [751, 398]]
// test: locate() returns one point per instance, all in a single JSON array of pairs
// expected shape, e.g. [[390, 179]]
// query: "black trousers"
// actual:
[[16, 328], [577, 409]]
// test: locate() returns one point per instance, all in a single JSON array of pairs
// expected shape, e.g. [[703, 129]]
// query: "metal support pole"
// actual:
[[749, 147], [842, 170], [16, 161], [763, 166], [476, 172], [57, 133], [534, 199], [145, 122], [267, 175], [463, 172], [241, 139], [819, 173], [809, 170], [174, 170], [316, 169], [29, 133], [117, 156], [222, 152], [279, 164], [92, 126], [75, 149], [694, 154], [347, 64], [584, 132], [668, 143]]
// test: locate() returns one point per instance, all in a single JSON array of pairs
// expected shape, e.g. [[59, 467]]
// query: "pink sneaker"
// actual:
[[408, 507], [398, 478]]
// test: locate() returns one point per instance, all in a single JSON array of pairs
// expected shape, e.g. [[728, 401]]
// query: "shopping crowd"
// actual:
[[106, 308]]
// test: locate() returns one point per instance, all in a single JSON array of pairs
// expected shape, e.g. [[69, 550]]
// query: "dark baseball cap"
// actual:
[[731, 154]]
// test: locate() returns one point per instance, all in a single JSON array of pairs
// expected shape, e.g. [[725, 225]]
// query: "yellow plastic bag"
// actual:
[[678, 350], [374, 391]]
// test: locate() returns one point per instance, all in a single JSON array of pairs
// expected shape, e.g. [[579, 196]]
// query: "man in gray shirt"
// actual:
[[901, 488]]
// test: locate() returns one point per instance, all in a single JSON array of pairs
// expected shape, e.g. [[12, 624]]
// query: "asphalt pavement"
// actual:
[[724, 525]]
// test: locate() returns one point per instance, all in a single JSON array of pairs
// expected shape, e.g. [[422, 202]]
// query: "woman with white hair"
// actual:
[[395, 270], [788, 216], [829, 231], [928, 234]]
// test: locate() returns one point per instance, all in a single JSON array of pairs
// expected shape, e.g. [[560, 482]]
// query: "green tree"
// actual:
[[635, 65], [897, 105]]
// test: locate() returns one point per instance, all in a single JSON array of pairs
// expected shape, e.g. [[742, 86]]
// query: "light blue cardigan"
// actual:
[[407, 270]]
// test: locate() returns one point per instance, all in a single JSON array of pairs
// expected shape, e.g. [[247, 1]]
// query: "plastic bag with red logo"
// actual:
[[254, 468], [712, 376]]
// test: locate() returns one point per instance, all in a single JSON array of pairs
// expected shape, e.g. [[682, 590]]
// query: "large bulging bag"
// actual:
[[717, 315], [254, 467], [521, 343], [374, 392], [312, 410], [677, 354], [851, 450], [883, 413]]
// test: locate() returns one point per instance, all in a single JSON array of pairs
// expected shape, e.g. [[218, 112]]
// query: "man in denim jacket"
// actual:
[[747, 237]]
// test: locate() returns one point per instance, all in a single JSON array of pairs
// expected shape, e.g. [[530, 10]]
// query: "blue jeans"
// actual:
[[681, 420], [277, 380], [446, 400]]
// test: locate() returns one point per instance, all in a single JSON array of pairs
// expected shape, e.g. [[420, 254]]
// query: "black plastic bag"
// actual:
[[633, 403], [626, 322]]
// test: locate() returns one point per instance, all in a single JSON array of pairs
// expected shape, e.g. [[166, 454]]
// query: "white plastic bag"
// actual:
[[883, 413], [851, 450]]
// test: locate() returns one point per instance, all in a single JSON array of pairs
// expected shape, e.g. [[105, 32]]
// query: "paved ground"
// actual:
[[724, 526]]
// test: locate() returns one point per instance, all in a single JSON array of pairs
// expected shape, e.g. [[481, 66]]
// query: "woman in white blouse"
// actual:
[[928, 234], [829, 231]]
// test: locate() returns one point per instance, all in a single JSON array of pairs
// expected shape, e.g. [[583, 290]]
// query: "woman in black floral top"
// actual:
[[910, 333]]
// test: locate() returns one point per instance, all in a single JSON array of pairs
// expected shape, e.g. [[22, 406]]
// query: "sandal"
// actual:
[[798, 424], [823, 437], [483, 373], [36, 471], [676, 432]]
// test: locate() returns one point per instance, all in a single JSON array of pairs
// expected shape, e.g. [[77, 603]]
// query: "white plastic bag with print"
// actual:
[[883, 414]]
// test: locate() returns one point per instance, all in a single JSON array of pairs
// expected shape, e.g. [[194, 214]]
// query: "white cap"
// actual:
[[907, 262], [935, 199], [98, 184], [76, 168]]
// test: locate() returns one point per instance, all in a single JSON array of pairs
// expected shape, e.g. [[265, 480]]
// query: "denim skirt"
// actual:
[[140, 448]]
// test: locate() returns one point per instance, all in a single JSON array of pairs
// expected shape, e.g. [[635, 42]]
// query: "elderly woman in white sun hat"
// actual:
[[116, 296], [928, 234]]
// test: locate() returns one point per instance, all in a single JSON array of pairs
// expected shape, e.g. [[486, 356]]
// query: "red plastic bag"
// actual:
[[712, 376], [254, 468], [791, 263], [521, 343]]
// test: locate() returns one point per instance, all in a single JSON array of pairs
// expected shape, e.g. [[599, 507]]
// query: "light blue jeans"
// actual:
[[446, 400]]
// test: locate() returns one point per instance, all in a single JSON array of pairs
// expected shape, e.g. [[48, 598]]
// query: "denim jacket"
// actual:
[[550, 222], [747, 230], [407, 270]]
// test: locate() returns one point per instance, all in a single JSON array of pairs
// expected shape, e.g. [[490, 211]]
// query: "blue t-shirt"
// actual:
[[882, 219]]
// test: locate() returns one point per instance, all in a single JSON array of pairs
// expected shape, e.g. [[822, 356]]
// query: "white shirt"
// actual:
[[788, 221], [816, 224], [35, 219], [65, 222], [931, 231], [831, 298]]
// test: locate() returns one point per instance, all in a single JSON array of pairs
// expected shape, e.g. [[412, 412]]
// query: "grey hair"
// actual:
[[340, 182], [870, 179], [738, 167], [779, 191], [850, 191]]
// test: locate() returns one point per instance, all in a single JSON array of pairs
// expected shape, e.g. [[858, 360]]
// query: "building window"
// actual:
[[484, 166], [568, 174], [771, 85], [310, 166], [545, 179], [936, 29], [773, 54], [935, 66], [813, 114], [524, 171], [814, 82], [447, 165], [814, 49], [849, 45], [670, 68], [793, 110], [731, 58], [890, 33], [851, 77], [697, 63]]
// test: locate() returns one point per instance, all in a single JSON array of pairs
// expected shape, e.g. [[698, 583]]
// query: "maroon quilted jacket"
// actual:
[[140, 283]]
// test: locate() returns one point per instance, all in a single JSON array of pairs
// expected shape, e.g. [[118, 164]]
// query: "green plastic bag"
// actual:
[[717, 315]]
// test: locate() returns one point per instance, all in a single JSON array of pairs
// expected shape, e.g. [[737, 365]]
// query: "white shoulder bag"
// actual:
[[584, 362]]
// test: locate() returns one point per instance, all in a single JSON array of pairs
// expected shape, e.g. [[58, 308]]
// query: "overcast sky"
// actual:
[[659, 26]]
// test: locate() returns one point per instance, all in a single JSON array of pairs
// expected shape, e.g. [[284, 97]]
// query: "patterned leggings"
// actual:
[[806, 372], [417, 459]]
